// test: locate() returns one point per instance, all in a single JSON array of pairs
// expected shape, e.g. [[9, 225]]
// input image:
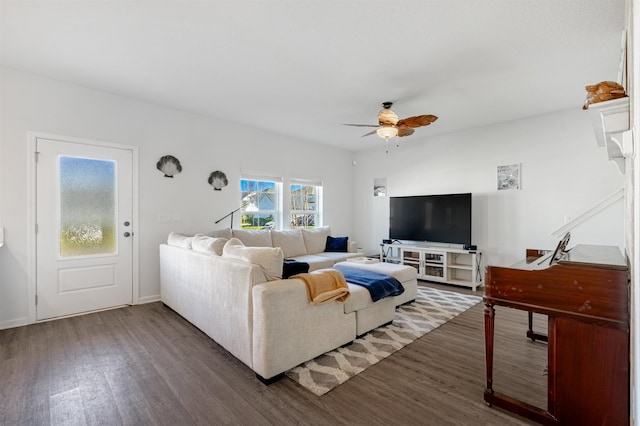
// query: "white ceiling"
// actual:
[[301, 68]]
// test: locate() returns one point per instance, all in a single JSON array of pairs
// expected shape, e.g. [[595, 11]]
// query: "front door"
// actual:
[[84, 249]]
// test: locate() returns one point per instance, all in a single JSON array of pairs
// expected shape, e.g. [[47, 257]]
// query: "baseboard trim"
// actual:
[[148, 299], [17, 322]]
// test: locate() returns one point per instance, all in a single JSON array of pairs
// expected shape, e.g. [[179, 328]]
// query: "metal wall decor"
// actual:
[[218, 180], [169, 165]]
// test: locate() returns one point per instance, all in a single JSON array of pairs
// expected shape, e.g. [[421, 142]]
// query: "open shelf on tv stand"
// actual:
[[437, 263]]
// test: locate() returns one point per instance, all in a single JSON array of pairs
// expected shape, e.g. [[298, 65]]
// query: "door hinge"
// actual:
[[35, 156], [36, 228], [36, 300]]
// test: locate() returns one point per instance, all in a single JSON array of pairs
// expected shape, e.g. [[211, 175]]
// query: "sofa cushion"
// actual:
[[208, 245], [291, 242], [315, 262], [221, 233], [253, 237], [338, 256], [336, 244], [270, 259], [179, 240], [315, 240], [360, 298]]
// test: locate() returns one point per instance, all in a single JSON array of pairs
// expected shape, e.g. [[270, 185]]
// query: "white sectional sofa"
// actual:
[[302, 245], [233, 294]]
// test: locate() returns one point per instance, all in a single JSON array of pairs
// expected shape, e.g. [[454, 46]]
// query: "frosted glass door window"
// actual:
[[87, 207]]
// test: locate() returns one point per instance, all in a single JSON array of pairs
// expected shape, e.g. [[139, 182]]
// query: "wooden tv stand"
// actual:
[[434, 263]]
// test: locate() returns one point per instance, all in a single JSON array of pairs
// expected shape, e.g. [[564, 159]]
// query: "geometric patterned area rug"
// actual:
[[431, 309]]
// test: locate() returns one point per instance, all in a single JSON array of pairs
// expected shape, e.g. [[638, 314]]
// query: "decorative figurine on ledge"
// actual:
[[603, 91]]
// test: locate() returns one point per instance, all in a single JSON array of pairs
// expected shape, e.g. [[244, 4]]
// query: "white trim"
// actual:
[[17, 322], [32, 138], [306, 182], [261, 176], [31, 223], [148, 299], [589, 213], [633, 9], [135, 204]]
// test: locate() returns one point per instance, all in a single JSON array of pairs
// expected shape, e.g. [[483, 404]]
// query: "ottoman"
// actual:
[[370, 314], [407, 275]]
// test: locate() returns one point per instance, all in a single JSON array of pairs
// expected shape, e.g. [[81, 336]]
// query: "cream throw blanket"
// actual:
[[325, 286]]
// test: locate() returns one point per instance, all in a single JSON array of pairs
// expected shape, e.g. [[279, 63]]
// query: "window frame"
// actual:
[[276, 212], [316, 213]]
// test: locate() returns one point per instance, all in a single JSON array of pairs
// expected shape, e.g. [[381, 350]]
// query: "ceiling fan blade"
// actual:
[[373, 132], [405, 131], [361, 125], [417, 121]]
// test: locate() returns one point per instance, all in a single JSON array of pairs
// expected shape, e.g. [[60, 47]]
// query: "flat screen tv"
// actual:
[[431, 218]]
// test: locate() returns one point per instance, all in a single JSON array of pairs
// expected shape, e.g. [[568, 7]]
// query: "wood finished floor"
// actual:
[[145, 365]]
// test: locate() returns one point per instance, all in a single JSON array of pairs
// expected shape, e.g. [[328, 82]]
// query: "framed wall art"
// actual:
[[380, 187], [509, 177]]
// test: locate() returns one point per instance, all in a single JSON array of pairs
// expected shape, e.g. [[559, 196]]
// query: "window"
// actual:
[[88, 210], [306, 204], [260, 203]]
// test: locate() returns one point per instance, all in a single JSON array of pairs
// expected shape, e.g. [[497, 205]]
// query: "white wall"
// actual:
[[202, 145], [563, 173]]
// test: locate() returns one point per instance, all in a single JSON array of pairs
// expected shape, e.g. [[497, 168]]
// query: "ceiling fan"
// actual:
[[389, 125]]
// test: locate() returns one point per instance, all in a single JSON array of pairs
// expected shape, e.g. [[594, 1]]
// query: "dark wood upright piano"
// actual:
[[584, 292]]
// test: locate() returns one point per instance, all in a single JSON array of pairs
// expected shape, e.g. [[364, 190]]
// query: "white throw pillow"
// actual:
[[208, 245], [291, 242], [220, 233], [268, 258], [253, 237], [179, 240], [234, 242], [315, 240]]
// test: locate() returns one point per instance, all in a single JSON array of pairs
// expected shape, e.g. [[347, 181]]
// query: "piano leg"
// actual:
[[498, 399], [532, 334], [489, 324]]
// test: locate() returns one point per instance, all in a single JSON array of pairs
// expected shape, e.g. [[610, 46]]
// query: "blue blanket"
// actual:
[[379, 285]]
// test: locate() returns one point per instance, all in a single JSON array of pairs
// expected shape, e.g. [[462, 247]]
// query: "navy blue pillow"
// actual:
[[336, 244]]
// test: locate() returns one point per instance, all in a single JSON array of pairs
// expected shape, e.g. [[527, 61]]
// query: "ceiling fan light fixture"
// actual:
[[387, 132], [389, 125], [386, 117]]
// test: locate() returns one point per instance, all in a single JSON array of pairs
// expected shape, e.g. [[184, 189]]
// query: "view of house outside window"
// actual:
[[305, 205], [259, 204]]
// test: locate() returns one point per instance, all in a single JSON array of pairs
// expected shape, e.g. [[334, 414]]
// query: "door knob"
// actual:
[[127, 234]]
